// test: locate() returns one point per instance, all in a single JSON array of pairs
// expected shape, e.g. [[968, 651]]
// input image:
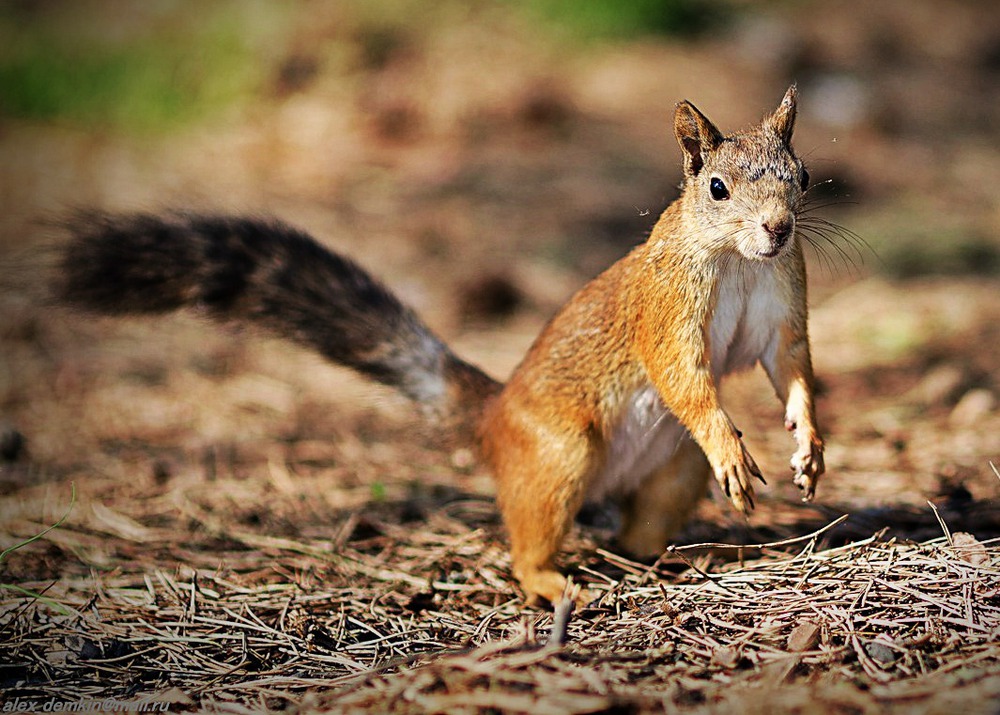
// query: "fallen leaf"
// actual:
[[968, 548]]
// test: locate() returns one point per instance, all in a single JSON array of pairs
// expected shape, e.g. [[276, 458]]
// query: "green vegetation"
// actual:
[[8, 551], [378, 492], [149, 67], [136, 71]]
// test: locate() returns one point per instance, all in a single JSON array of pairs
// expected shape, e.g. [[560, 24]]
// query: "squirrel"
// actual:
[[618, 395]]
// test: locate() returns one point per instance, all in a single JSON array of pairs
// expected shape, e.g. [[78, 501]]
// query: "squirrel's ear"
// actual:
[[696, 135], [782, 122]]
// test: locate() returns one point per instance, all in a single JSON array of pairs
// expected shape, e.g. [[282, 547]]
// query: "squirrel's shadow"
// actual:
[[830, 526], [724, 540]]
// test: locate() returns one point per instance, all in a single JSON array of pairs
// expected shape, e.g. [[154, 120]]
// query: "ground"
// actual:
[[248, 528]]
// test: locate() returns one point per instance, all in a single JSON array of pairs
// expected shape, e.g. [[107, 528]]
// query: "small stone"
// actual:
[[727, 657], [803, 637], [880, 653]]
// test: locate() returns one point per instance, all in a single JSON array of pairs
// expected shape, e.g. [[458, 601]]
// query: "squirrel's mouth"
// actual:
[[772, 252], [774, 245], [765, 252]]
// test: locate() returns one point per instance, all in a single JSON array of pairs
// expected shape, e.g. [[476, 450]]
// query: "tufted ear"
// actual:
[[782, 122], [696, 135]]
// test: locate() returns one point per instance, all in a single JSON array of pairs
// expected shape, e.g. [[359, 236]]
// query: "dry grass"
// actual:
[[422, 620]]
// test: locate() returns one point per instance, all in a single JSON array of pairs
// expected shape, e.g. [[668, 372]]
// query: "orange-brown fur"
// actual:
[[646, 321]]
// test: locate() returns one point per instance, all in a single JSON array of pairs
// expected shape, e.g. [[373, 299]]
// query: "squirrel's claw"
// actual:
[[807, 463], [736, 480]]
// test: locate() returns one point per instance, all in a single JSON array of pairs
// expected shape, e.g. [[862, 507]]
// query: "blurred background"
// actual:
[[486, 158], [503, 105]]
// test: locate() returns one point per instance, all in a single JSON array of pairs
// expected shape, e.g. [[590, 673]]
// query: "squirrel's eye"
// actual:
[[804, 181], [718, 189]]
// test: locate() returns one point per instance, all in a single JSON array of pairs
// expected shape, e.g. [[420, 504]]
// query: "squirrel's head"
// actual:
[[745, 188]]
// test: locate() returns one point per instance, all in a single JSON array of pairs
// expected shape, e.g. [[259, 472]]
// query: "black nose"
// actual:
[[778, 231]]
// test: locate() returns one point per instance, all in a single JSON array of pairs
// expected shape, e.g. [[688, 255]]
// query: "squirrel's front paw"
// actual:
[[807, 463], [735, 480]]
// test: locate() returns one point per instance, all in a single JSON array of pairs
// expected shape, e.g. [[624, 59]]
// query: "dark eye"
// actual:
[[718, 189], [804, 181]]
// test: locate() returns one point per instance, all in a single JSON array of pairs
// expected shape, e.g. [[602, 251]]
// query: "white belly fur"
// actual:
[[744, 325]]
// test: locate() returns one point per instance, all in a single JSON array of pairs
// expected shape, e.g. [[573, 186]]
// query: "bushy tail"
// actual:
[[271, 275]]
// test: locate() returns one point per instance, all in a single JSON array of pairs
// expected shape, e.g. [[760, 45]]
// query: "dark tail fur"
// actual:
[[271, 275]]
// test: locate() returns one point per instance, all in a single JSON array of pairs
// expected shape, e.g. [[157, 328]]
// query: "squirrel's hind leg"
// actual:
[[541, 484], [664, 501]]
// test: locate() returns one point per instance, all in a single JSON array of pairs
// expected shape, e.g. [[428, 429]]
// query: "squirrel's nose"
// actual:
[[778, 230]]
